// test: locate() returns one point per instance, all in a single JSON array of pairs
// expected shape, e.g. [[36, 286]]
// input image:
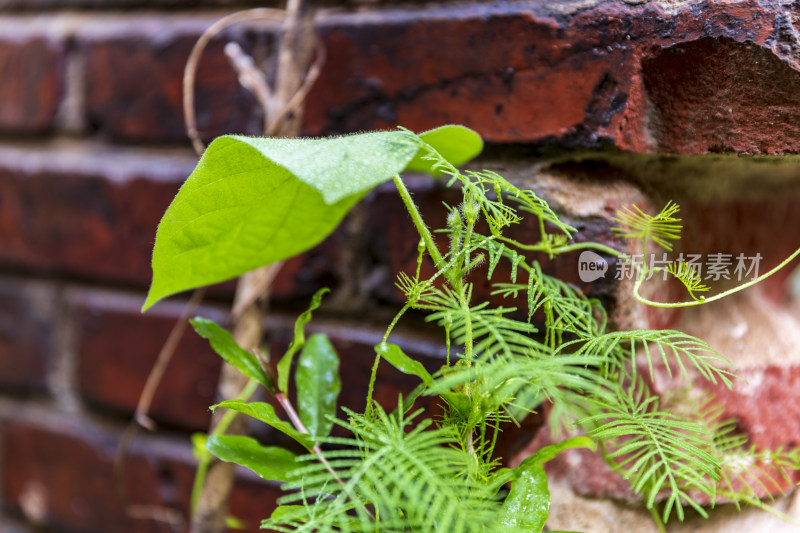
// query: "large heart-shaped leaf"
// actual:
[[253, 201]]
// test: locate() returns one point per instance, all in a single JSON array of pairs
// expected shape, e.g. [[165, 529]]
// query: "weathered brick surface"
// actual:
[[94, 217], [27, 336], [116, 348], [704, 98], [614, 73], [61, 475], [31, 83], [134, 86], [611, 74]]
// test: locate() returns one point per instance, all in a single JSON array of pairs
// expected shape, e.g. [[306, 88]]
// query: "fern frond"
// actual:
[[659, 452], [516, 385], [413, 290], [569, 310], [661, 228], [673, 347], [394, 478], [688, 275], [491, 331], [747, 473]]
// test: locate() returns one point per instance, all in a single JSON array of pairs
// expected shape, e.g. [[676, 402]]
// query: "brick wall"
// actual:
[[593, 104]]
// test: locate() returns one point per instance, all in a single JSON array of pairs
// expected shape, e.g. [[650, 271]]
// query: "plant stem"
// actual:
[[657, 519], [423, 230], [316, 450], [374, 374], [299, 426], [719, 296], [563, 249], [219, 429]]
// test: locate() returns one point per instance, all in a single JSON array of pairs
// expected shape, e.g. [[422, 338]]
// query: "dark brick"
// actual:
[[719, 95], [94, 217], [613, 74], [134, 85], [26, 334], [117, 346], [31, 83], [68, 467], [64, 478]]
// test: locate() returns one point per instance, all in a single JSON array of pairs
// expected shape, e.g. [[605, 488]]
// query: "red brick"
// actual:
[[765, 405], [31, 83], [69, 472], [93, 217], [134, 85], [597, 76], [69, 465], [117, 346], [96, 217], [704, 98], [26, 334]]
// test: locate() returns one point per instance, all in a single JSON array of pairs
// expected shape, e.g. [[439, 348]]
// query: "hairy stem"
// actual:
[[563, 249], [423, 230]]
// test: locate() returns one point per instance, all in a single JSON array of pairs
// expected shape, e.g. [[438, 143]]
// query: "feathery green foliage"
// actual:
[[662, 228], [400, 471]]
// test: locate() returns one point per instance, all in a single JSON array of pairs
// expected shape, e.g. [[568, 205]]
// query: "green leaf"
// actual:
[[222, 342], [269, 462], [402, 362], [549, 452], [285, 364], [528, 504], [265, 413], [252, 201], [287, 513], [231, 522], [318, 385], [199, 450], [456, 144]]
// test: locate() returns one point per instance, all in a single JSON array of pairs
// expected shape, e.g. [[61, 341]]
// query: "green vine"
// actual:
[[405, 470]]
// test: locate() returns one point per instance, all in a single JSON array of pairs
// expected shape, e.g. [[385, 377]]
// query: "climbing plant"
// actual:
[[253, 201]]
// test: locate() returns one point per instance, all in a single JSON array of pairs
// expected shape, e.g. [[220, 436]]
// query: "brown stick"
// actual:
[[293, 58]]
